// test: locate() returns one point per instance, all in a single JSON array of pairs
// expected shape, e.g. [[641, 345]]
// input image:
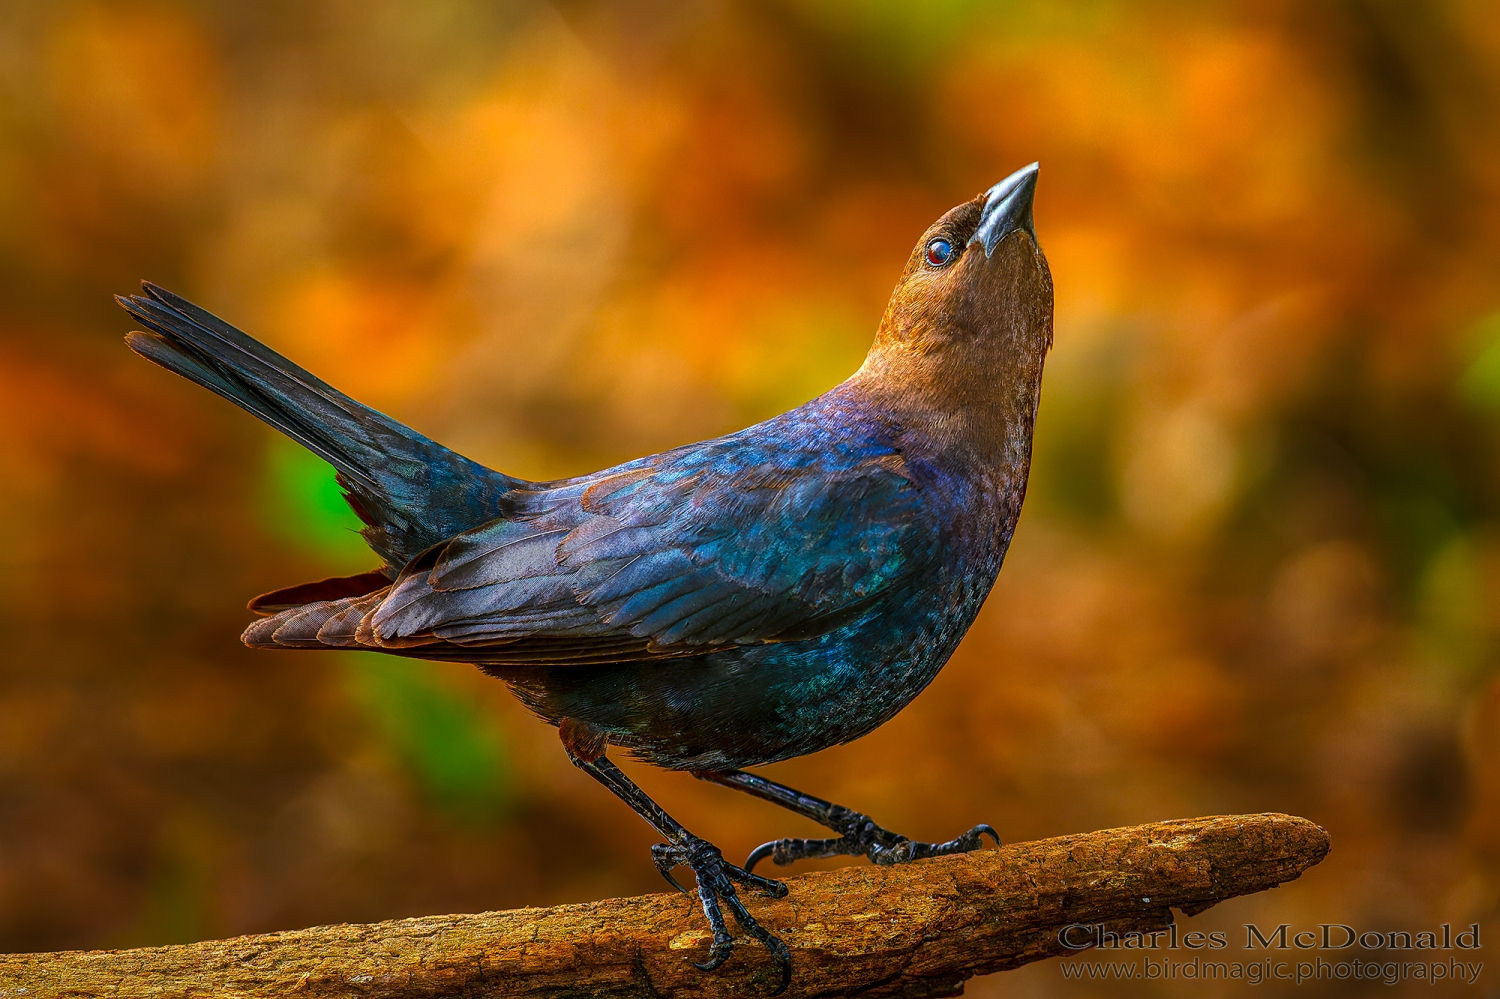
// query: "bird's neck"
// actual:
[[978, 407]]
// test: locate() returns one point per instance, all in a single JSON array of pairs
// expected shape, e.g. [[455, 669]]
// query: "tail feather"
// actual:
[[333, 588], [410, 491], [341, 628], [345, 624]]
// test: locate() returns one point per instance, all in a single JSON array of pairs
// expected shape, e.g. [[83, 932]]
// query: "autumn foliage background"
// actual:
[[1259, 568]]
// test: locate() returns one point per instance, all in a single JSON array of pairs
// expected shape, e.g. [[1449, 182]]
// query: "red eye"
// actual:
[[939, 252]]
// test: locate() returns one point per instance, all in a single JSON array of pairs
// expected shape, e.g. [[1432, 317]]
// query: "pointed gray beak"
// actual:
[[1007, 208]]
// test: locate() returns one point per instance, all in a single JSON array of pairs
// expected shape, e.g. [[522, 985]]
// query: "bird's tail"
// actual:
[[410, 492]]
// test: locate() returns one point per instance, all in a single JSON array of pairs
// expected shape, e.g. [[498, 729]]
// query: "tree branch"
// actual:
[[912, 931]]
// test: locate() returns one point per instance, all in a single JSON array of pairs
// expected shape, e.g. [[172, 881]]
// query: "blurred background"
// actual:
[[1258, 569]]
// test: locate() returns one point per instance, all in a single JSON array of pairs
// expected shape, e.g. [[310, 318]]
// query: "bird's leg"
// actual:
[[858, 834], [716, 878]]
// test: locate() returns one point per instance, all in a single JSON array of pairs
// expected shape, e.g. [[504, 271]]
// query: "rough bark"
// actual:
[[915, 930]]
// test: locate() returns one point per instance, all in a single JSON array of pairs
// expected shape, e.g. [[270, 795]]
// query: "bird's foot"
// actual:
[[861, 836], [716, 884]]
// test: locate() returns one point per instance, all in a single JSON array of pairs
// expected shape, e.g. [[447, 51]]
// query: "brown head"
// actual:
[[961, 346]]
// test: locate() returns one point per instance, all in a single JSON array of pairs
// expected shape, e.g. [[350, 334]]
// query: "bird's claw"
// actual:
[[716, 884], [907, 849], [666, 857], [861, 836]]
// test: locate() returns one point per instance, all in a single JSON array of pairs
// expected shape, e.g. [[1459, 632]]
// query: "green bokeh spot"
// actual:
[[1480, 383], [442, 740], [454, 751], [178, 903], [305, 507], [1453, 608], [1084, 393], [901, 32]]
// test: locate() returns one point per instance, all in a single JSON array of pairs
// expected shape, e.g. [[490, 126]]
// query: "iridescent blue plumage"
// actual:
[[830, 561], [727, 603]]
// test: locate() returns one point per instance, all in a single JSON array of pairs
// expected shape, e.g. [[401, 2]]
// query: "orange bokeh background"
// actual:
[[1258, 569]]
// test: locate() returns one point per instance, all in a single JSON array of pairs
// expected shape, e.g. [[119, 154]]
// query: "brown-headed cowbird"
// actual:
[[716, 606]]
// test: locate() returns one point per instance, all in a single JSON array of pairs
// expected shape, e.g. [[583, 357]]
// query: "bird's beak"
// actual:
[[1007, 207]]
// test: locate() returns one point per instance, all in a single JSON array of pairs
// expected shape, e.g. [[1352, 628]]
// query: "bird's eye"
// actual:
[[939, 252]]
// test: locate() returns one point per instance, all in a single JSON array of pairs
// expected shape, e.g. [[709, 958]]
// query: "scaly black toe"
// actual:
[[716, 888], [862, 837]]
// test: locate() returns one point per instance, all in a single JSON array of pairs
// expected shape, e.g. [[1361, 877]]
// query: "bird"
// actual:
[[718, 606]]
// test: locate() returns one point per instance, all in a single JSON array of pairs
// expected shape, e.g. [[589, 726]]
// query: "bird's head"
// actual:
[[970, 322]]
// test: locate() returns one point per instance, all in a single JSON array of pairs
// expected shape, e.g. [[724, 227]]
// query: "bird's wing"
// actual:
[[705, 548]]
